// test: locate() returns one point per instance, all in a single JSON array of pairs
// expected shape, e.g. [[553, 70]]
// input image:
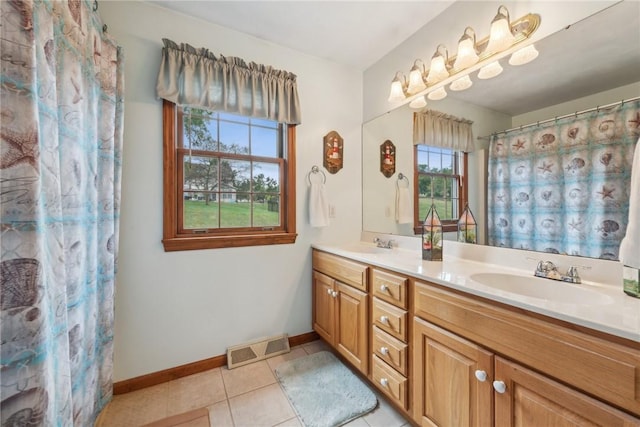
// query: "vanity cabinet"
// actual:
[[477, 363], [448, 358], [340, 310], [390, 336], [451, 379]]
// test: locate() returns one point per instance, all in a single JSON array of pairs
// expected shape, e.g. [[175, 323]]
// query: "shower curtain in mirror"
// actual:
[[563, 187], [60, 165]]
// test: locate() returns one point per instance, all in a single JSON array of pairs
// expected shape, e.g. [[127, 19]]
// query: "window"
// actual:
[[229, 180], [439, 176]]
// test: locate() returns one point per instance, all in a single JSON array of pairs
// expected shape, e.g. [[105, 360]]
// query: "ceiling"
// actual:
[[594, 55], [356, 33]]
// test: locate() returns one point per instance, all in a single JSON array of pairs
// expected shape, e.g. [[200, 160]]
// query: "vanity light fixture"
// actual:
[[416, 81], [397, 88], [419, 102], [472, 55], [467, 55], [490, 71], [524, 55], [438, 70]]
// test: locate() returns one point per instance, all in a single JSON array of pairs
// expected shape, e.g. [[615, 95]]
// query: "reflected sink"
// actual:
[[542, 289], [365, 249]]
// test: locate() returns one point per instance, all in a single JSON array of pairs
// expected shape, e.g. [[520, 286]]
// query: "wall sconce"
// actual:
[[467, 226], [432, 236], [471, 56]]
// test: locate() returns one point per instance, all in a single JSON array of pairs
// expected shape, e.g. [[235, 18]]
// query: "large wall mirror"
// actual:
[[593, 62]]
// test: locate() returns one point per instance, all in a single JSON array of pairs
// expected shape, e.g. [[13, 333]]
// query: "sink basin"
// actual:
[[542, 289], [366, 249]]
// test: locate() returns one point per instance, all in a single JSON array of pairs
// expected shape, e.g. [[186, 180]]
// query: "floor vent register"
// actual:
[[243, 354]]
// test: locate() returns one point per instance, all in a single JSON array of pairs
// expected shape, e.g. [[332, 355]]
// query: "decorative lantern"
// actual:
[[432, 236], [467, 227]]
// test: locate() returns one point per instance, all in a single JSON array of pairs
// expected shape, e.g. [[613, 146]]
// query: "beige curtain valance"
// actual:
[[442, 130], [195, 77]]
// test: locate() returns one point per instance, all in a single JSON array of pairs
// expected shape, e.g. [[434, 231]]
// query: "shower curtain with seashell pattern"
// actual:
[[60, 161], [563, 187]]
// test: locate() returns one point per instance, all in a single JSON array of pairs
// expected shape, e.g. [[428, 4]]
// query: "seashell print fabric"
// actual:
[[563, 187], [61, 89]]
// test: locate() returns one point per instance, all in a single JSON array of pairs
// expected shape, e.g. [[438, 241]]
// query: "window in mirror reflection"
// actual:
[[439, 176]]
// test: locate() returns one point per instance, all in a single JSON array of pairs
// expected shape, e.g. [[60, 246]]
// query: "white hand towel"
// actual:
[[630, 246], [318, 205], [404, 214]]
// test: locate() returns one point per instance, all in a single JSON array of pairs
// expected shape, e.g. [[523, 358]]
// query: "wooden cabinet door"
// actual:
[[530, 399], [324, 306], [446, 390], [351, 325]]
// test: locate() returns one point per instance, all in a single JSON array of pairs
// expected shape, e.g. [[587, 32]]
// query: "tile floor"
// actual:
[[248, 396]]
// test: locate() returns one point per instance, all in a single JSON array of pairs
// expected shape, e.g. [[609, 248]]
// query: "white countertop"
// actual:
[[615, 313]]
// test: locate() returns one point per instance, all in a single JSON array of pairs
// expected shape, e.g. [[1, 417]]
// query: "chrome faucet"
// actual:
[[386, 244], [548, 270]]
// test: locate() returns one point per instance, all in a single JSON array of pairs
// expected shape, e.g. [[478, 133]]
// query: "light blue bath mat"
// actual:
[[323, 391]]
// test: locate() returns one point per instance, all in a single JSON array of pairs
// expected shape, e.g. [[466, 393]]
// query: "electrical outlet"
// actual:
[[332, 211]]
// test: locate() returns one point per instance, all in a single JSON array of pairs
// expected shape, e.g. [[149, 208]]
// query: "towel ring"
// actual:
[[402, 177], [315, 169]]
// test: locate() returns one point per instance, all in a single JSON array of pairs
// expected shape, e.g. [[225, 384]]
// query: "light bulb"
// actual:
[[467, 55], [396, 94], [419, 102], [524, 55], [500, 36], [462, 83], [416, 83], [437, 94], [490, 71], [438, 69]]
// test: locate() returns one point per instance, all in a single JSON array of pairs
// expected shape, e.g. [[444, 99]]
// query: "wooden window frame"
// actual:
[[174, 240], [447, 225]]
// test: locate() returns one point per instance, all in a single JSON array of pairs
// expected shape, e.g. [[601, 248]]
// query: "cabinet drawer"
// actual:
[[391, 350], [390, 382], [349, 272], [390, 319], [389, 287], [603, 368]]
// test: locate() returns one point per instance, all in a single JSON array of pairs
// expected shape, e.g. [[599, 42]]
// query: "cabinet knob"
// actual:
[[481, 375], [384, 382], [499, 386], [334, 293], [384, 288], [329, 291], [384, 319], [384, 350]]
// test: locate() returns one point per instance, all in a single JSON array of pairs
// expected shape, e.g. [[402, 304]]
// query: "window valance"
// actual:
[[197, 78], [438, 129]]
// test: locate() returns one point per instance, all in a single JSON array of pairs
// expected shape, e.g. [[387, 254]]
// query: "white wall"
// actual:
[[174, 308], [601, 98]]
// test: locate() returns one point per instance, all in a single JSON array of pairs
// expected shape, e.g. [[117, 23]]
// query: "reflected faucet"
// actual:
[[386, 244]]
